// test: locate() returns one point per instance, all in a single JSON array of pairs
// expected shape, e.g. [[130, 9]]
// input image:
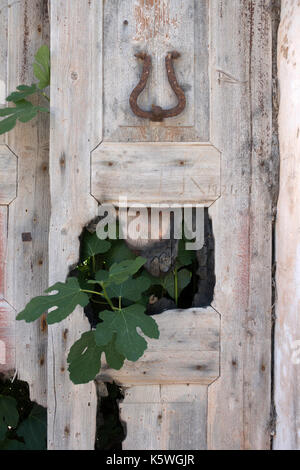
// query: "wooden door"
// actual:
[[215, 392], [24, 200]]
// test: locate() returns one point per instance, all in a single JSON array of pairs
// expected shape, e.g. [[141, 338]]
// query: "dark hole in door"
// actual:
[[197, 293]]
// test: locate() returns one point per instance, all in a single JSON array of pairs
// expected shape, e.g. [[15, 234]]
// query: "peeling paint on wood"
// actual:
[[154, 18]]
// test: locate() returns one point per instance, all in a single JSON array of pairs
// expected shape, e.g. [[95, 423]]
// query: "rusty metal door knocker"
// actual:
[[157, 113]]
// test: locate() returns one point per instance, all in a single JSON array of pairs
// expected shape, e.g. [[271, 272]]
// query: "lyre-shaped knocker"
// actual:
[[157, 113]]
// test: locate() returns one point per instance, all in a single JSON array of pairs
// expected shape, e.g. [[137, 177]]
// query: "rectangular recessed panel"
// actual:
[[156, 173], [198, 331], [172, 417], [173, 367], [155, 27], [186, 352]]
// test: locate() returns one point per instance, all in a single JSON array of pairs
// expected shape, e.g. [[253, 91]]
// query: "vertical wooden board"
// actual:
[[3, 246], [7, 337], [7, 331], [8, 175], [184, 417], [239, 402], [76, 32], [172, 417], [141, 413], [7, 313], [3, 55], [287, 335], [27, 261]]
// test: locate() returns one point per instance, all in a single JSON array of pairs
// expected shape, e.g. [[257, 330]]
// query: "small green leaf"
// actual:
[[22, 111], [184, 257], [41, 67], [155, 281], [101, 276], [92, 245], [34, 429], [120, 272], [68, 297], [119, 252], [124, 324], [7, 124], [23, 92], [131, 289], [6, 111], [84, 359], [184, 278], [30, 114], [82, 276], [9, 415]]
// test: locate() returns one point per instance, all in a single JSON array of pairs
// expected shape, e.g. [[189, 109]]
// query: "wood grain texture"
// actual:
[[7, 313], [239, 402], [27, 262], [7, 337], [3, 55], [7, 330], [165, 417], [3, 247], [76, 31], [155, 27], [241, 127], [8, 175], [156, 173], [187, 352], [287, 336]]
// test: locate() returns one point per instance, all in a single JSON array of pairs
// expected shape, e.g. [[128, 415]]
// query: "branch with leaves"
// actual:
[[111, 282], [118, 288], [23, 110]]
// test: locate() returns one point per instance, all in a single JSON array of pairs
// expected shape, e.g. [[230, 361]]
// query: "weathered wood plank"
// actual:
[[186, 352], [156, 27], [7, 337], [287, 336], [174, 367], [27, 263], [239, 402], [156, 173], [165, 417], [7, 331], [3, 247], [7, 313], [76, 31], [3, 55], [8, 175]]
